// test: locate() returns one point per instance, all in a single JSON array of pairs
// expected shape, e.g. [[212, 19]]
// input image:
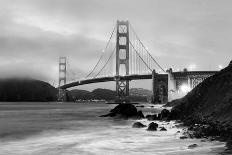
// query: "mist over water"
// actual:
[[75, 128]]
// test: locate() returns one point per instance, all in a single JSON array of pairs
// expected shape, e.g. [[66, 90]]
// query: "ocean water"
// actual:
[[75, 128]]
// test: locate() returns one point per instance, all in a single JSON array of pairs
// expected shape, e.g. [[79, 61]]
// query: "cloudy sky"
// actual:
[[196, 34]]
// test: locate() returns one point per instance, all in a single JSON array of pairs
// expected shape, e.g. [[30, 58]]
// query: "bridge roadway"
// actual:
[[137, 77]]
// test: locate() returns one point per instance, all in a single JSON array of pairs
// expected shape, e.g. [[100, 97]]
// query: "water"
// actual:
[[75, 128]]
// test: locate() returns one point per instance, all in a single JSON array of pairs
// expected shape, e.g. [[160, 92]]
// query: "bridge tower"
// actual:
[[62, 78], [122, 61]]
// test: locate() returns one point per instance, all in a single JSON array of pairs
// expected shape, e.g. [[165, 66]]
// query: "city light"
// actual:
[[185, 88], [220, 67]]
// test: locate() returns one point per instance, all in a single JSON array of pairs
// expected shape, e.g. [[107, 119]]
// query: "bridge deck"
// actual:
[[137, 77]]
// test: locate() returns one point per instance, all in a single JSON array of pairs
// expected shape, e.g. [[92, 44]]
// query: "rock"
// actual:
[[152, 126], [164, 114], [151, 117], [163, 129], [124, 111], [192, 146], [178, 132], [183, 137], [138, 125], [140, 115]]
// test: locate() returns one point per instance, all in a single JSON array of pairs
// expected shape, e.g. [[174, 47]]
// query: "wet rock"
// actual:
[[152, 117], [141, 106], [140, 115], [203, 140], [183, 137], [138, 125], [163, 129], [152, 126], [164, 114], [124, 111], [192, 146]]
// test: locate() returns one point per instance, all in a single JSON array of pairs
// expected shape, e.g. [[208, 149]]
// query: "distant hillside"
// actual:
[[210, 101], [138, 94], [99, 94], [15, 90]]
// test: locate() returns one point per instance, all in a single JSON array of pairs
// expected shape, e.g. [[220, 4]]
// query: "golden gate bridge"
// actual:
[[124, 59]]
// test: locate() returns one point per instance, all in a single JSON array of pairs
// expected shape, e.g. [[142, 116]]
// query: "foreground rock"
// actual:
[[164, 114], [152, 117], [152, 126], [138, 125], [125, 111], [192, 146], [163, 129], [140, 115]]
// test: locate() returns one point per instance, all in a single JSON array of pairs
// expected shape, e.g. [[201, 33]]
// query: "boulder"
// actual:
[[151, 117], [152, 126], [140, 115], [163, 129], [183, 137], [125, 111], [164, 114], [138, 125], [192, 146]]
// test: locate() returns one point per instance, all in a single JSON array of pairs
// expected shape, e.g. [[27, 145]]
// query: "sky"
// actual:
[[193, 34]]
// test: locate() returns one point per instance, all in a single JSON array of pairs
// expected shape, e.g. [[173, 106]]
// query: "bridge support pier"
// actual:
[[155, 96], [62, 79], [171, 85], [62, 96], [122, 61]]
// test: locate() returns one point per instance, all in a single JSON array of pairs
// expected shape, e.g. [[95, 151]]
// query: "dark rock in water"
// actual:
[[152, 117], [138, 125], [142, 106], [174, 115], [164, 114], [163, 129], [192, 146], [125, 111], [152, 126], [140, 115], [183, 137]]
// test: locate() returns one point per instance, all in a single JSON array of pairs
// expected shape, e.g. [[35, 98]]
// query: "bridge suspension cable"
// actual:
[[131, 28], [103, 53], [111, 55], [140, 57]]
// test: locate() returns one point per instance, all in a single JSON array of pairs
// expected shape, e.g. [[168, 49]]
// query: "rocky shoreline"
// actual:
[[188, 128]]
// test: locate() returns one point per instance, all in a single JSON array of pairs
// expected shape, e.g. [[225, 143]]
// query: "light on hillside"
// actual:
[[185, 88]]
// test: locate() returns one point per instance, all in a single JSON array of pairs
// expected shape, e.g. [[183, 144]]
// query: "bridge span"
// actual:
[[128, 56], [162, 84]]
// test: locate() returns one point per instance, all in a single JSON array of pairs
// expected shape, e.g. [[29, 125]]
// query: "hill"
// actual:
[[15, 90], [106, 94], [208, 103]]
